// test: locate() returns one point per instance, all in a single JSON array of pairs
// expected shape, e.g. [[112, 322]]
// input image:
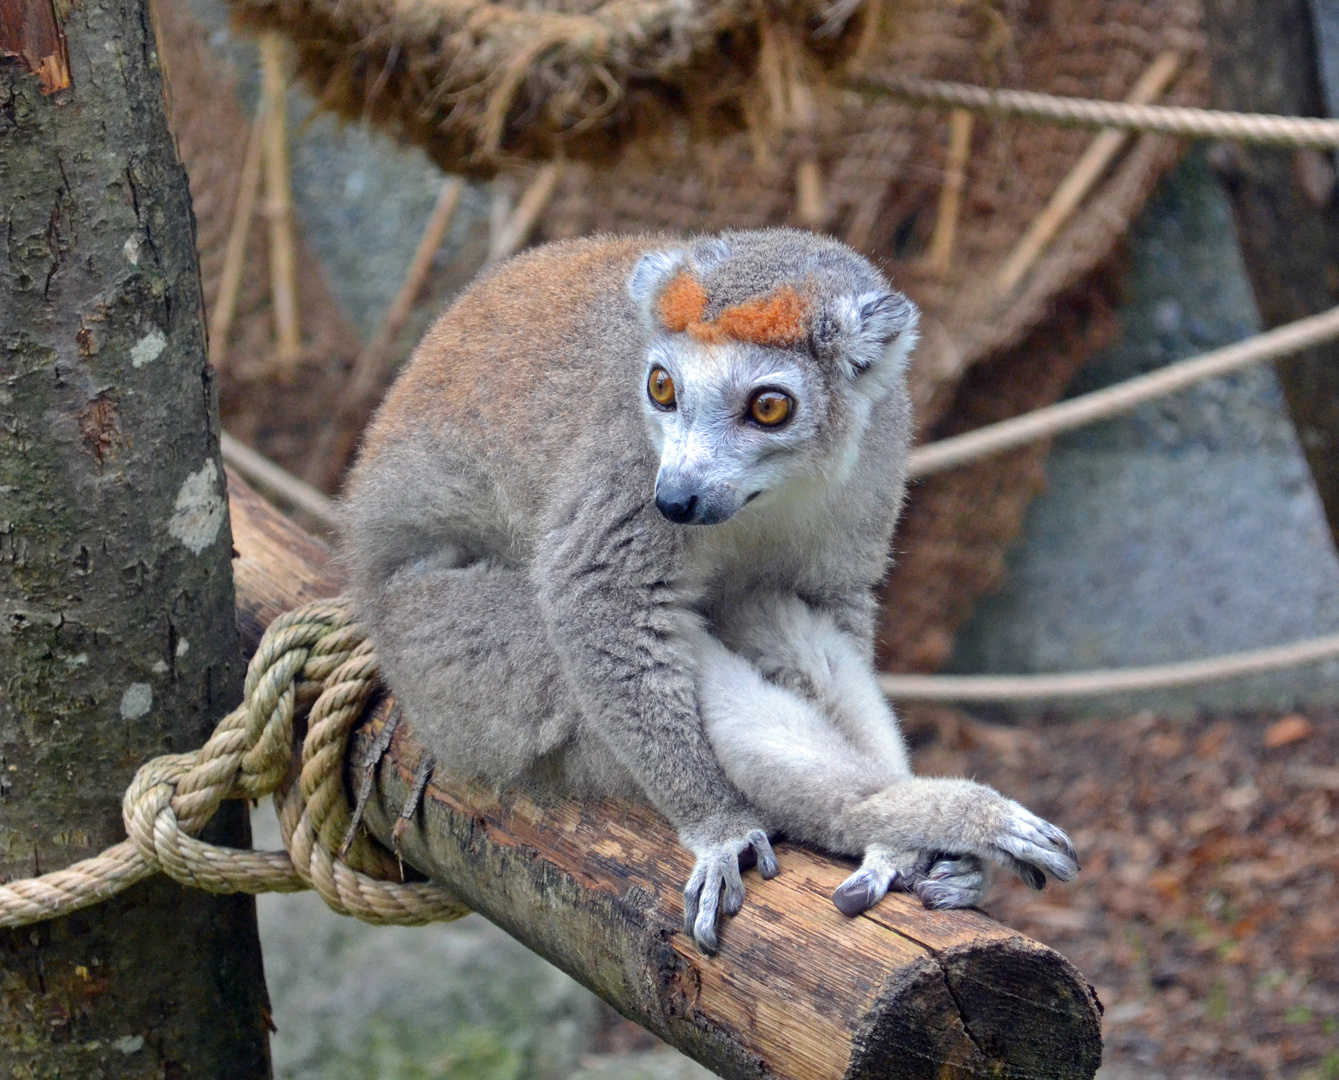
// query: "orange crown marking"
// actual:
[[775, 319], [682, 303]]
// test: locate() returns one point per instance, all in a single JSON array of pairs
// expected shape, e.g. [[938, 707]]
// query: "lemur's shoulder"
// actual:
[[520, 333]]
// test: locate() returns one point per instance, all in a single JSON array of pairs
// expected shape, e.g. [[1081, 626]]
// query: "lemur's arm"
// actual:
[[615, 618], [794, 713]]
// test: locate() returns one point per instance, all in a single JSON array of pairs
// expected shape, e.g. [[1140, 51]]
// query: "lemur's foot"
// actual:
[[954, 881], [941, 881], [938, 836], [881, 870], [716, 885]]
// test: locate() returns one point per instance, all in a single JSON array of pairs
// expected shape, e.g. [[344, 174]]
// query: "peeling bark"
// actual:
[[119, 641], [29, 32]]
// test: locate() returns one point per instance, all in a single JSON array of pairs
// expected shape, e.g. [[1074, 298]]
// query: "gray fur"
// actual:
[[545, 627]]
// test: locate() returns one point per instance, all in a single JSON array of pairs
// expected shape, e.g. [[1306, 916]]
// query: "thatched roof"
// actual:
[[480, 83]]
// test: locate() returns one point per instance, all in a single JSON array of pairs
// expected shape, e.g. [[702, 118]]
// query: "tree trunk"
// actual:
[[1265, 59], [797, 992], [120, 640]]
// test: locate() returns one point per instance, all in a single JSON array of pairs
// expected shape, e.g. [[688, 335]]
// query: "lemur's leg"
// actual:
[[472, 668], [802, 649], [794, 760], [481, 681]]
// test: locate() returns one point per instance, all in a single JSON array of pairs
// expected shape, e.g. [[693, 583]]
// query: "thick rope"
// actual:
[[314, 654], [1077, 412], [1086, 113], [1080, 684]]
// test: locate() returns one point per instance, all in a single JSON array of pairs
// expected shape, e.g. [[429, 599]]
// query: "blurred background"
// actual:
[[316, 137]]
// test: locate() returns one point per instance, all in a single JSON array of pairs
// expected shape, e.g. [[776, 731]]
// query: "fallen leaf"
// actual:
[[1290, 729]]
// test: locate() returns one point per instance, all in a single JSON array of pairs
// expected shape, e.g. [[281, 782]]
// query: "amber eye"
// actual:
[[771, 408], [661, 388]]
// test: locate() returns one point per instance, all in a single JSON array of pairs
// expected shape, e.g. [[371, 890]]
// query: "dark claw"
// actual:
[[704, 927], [854, 895], [936, 896], [766, 857], [1032, 875], [1062, 839], [368, 775], [691, 893]]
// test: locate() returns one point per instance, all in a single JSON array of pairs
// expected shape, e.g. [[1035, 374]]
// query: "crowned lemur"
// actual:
[[617, 529]]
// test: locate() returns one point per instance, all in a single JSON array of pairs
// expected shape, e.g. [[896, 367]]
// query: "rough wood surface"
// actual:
[[1265, 60], [796, 991]]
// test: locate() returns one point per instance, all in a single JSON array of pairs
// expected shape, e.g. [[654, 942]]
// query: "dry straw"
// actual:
[[478, 82]]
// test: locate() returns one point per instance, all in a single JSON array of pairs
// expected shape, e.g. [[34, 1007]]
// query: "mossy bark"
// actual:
[[119, 639], [1286, 205]]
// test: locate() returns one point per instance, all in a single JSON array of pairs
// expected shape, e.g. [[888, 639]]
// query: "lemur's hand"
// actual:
[[716, 885]]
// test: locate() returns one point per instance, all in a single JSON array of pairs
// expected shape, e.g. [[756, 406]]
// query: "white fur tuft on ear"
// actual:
[[651, 274], [867, 328], [709, 253]]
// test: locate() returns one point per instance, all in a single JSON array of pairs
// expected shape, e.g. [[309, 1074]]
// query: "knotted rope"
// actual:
[[317, 656]]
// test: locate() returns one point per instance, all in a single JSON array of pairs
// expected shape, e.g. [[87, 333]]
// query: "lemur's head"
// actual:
[[768, 351]]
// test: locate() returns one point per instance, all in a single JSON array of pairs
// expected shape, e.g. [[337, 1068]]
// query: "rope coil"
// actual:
[[313, 655]]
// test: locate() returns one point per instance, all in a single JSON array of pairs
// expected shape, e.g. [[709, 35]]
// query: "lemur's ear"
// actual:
[[649, 278], [866, 329]]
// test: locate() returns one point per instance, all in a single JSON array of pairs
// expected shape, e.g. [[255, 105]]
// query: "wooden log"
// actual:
[[796, 991]]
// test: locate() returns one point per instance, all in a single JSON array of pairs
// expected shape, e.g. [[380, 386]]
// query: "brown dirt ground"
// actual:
[[1207, 912]]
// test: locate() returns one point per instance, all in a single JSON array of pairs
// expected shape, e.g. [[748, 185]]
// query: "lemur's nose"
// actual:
[[676, 506]]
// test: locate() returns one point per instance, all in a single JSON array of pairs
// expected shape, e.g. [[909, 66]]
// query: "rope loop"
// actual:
[[316, 655]]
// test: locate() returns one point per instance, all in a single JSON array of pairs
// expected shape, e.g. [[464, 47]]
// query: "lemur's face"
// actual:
[[769, 382], [731, 422]]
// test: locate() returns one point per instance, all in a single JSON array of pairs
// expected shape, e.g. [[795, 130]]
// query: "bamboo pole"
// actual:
[[811, 203], [340, 432], [510, 236], [1086, 172], [960, 124], [279, 202], [797, 991], [239, 229]]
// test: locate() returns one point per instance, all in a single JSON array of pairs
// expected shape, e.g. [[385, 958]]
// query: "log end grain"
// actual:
[[1000, 1008]]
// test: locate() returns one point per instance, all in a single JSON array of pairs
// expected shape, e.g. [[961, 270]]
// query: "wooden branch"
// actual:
[[797, 990]]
